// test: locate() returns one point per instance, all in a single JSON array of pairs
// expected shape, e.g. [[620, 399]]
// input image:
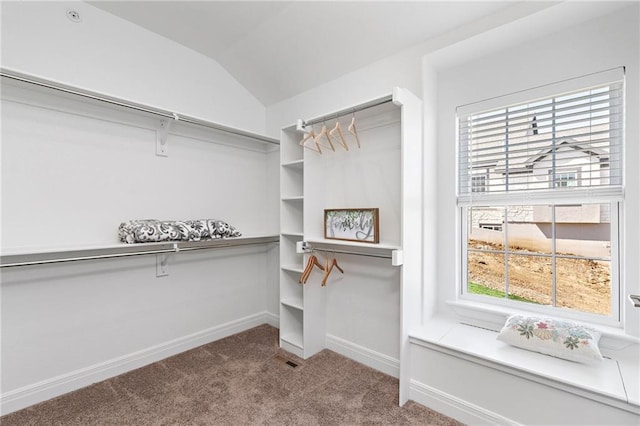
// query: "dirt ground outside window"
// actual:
[[581, 284]]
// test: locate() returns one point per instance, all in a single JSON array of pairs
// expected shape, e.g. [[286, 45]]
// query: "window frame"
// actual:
[[580, 195]]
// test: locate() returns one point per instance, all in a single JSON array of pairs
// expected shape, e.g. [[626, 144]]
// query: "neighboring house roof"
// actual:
[[527, 165], [567, 143]]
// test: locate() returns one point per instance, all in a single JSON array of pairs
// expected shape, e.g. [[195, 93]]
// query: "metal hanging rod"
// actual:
[[75, 259], [396, 254], [30, 259], [354, 253], [347, 111], [14, 75]]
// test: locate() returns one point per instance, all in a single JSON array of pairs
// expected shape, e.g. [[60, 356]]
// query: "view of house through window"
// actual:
[[540, 187]]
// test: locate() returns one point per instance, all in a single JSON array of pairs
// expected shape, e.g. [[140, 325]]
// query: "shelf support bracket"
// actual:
[[162, 146], [397, 257]]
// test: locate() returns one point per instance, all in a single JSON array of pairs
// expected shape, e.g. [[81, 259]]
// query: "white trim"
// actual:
[[49, 388], [570, 377], [565, 86], [272, 319], [368, 357], [454, 407], [493, 316]]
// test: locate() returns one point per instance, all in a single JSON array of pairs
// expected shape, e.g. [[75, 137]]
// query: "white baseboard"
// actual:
[[272, 319], [454, 407], [32, 394], [366, 356]]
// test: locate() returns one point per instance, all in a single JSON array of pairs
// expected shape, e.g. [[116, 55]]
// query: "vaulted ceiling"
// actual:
[[277, 49]]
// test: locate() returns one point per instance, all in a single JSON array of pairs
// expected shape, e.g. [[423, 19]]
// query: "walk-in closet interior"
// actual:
[[178, 173]]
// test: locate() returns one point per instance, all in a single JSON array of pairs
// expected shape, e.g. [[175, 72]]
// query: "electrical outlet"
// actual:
[[162, 265]]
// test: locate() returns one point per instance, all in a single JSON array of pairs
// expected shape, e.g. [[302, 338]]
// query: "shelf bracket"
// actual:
[[301, 126], [162, 146], [162, 265], [397, 257]]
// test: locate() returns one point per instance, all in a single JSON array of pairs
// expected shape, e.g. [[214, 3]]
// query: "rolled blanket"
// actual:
[[153, 230]]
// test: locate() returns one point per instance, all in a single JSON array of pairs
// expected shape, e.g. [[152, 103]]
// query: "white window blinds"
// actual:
[[567, 144]]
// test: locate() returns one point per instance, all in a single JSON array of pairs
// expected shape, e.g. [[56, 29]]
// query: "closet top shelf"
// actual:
[[45, 256], [120, 102], [380, 104]]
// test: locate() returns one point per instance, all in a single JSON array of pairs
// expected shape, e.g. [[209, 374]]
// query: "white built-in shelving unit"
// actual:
[[291, 232], [385, 173]]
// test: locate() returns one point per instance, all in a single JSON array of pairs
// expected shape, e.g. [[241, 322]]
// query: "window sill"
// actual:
[[613, 382], [493, 317]]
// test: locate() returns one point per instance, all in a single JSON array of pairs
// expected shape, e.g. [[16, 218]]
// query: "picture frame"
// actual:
[[359, 225]]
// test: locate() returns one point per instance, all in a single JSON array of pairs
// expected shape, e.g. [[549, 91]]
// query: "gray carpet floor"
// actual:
[[243, 379]]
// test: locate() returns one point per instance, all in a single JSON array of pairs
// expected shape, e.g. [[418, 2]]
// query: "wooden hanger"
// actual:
[[328, 270], [338, 129], [307, 270], [324, 134], [352, 129], [311, 135], [313, 261]]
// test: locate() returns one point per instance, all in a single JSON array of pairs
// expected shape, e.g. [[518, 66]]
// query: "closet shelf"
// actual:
[[364, 246], [45, 256], [386, 251], [293, 339], [293, 268], [296, 164], [297, 198], [293, 234], [293, 303], [120, 102]]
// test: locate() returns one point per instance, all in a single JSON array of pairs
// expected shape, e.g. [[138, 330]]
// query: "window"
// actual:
[[564, 179], [478, 183], [491, 226], [543, 231]]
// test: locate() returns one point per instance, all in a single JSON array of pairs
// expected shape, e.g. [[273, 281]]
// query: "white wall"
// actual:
[[72, 170], [88, 167], [378, 79], [597, 45], [370, 82], [363, 305], [475, 70], [106, 54]]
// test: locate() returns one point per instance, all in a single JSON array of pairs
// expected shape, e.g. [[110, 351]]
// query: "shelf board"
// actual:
[[296, 164], [45, 256], [389, 251], [293, 268], [293, 303], [293, 234], [293, 340], [296, 198], [341, 243]]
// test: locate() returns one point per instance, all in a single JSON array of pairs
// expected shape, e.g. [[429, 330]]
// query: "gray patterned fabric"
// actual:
[[153, 230]]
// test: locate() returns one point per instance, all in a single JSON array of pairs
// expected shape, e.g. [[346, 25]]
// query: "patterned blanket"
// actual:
[[152, 230]]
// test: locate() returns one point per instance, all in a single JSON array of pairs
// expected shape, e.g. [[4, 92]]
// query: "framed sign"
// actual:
[[359, 225]]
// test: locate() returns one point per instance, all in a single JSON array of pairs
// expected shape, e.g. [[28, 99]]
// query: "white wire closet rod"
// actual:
[[348, 111], [14, 75], [127, 250]]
